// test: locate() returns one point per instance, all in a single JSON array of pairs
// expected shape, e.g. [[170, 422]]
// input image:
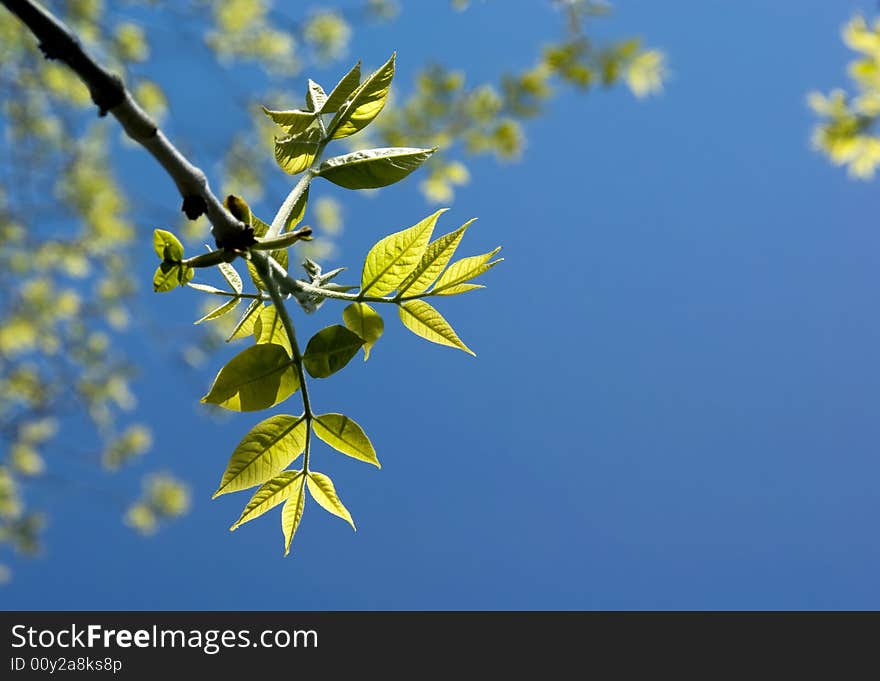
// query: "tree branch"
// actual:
[[109, 94]]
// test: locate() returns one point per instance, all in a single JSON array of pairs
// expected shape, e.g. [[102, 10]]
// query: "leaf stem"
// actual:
[[267, 274]]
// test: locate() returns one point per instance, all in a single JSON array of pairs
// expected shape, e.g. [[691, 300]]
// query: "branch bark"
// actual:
[[109, 94]]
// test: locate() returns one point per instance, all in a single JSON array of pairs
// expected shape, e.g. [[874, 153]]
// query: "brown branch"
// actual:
[[109, 94]]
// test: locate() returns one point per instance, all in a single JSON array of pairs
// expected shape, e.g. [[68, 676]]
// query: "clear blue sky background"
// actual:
[[675, 399]]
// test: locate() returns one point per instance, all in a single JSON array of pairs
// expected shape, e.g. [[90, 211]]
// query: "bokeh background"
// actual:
[[675, 395]]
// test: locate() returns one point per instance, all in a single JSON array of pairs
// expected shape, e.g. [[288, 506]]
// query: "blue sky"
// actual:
[[674, 399]]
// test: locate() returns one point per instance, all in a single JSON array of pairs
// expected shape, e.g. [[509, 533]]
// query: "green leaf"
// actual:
[[423, 320], [231, 276], [373, 168], [167, 246], [322, 490], [293, 121], [229, 306], [329, 350], [345, 436], [315, 97], [278, 489], [391, 260], [340, 94], [292, 513], [296, 154], [170, 275], [256, 378], [456, 290], [245, 325], [366, 323], [365, 102], [270, 447], [464, 270], [268, 328], [207, 288], [436, 256]]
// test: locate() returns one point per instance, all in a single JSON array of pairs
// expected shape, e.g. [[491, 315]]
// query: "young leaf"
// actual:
[[256, 378], [433, 261], [231, 276], [170, 275], [228, 306], [167, 246], [293, 121], [278, 489], [292, 512], [372, 168], [456, 290], [329, 350], [245, 325], [423, 320], [268, 328], [207, 288], [343, 90], [464, 270], [315, 97], [295, 154], [365, 102], [292, 209], [391, 260], [365, 322], [322, 490], [345, 436], [267, 449]]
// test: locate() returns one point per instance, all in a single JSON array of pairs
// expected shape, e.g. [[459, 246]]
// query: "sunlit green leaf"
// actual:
[[271, 446], [206, 288], [346, 436], [257, 378], [170, 275], [329, 350], [365, 322], [280, 254], [293, 121], [343, 90], [322, 490], [456, 290], [245, 326], [365, 103], [292, 512], [391, 260], [167, 246], [437, 255], [423, 320], [373, 168], [228, 306], [278, 489], [268, 328], [315, 96], [231, 276], [295, 154], [464, 270]]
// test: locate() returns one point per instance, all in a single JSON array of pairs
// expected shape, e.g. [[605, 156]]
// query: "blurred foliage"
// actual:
[[847, 133], [67, 254]]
